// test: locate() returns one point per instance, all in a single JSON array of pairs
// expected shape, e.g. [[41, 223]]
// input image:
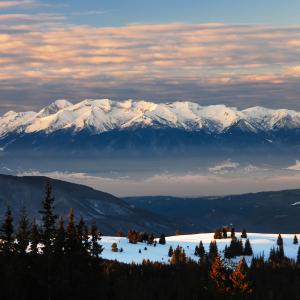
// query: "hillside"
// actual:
[[109, 212], [258, 212]]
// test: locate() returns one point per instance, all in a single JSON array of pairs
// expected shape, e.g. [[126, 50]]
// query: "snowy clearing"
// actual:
[[261, 244]]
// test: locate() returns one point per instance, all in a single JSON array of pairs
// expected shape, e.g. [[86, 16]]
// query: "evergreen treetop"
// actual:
[[7, 233], [295, 240], [244, 234], [49, 219], [279, 240], [23, 233]]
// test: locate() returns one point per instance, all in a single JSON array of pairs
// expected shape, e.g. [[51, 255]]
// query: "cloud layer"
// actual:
[[189, 184], [43, 56]]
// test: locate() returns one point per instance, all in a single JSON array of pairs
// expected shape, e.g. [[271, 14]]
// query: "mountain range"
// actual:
[[134, 127]]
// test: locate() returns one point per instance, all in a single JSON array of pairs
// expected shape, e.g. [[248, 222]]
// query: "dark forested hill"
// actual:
[[109, 212], [264, 212]]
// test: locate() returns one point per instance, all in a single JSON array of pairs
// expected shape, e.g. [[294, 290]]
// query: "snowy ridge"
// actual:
[[104, 115]]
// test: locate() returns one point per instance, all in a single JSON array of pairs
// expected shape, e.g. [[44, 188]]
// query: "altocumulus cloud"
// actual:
[[43, 57]]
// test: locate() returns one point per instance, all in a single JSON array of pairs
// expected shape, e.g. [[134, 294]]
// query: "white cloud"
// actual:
[[224, 167], [295, 167]]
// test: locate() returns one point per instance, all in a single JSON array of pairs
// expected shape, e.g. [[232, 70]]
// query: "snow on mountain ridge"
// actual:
[[102, 115]]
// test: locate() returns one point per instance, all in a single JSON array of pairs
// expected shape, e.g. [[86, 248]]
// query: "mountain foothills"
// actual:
[[109, 212], [134, 127], [259, 212]]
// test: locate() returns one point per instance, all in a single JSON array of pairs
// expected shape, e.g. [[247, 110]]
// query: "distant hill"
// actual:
[[257, 212], [109, 212]]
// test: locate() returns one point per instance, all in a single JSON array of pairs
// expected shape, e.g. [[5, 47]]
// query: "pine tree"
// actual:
[[276, 255], [80, 236], [150, 239], [23, 233], [244, 234], [279, 240], [114, 247], [96, 248], [218, 274], [49, 221], [227, 252], [272, 255], [7, 231], [225, 233], [162, 239], [86, 239], [34, 238], [218, 234], [79, 229], [280, 252], [236, 247], [213, 250], [239, 284], [298, 256], [295, 241], [59, 244], [232, 233], [170, 252], [182, 257], [201, 250], [71, 241], [143, 237], [240, 248], [178, 256], [248, 249], [133, 236]]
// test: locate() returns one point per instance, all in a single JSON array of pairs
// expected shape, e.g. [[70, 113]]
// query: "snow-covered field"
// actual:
[[261, 244]]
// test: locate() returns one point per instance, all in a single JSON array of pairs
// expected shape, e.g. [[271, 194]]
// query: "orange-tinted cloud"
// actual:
[[47, 48], [9, 4]]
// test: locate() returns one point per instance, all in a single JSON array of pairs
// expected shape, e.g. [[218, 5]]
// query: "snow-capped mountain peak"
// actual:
[[103, 115], [54, 107]]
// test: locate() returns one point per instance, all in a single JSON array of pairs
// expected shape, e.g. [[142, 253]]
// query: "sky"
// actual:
[[240, 53]]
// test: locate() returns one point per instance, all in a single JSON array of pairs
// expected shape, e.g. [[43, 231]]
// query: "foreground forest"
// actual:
[[62, 260]]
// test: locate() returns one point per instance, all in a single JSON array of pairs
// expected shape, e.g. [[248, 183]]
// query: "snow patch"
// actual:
[[261, 244]]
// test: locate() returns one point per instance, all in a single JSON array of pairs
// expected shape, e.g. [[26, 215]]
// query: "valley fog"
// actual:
[[184, 176]]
